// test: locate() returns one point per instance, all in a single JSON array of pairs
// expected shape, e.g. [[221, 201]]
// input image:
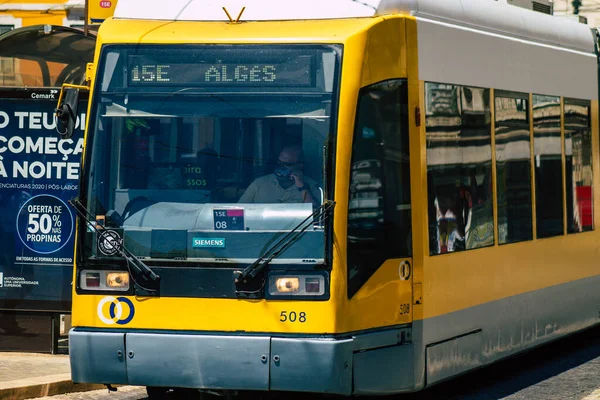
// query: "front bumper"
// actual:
[[244, 362]]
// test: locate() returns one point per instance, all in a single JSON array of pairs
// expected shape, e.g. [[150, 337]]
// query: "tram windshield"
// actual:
[[210, 152]]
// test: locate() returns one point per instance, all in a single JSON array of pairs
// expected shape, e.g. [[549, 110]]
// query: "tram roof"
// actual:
[[486, 15]]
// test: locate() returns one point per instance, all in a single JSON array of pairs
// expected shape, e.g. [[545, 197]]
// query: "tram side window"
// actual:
[[547, 152], [578, 152], [379, 224], [513, 168], [459, 167]]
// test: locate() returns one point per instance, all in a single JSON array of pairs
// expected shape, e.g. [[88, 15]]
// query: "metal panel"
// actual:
[[97, 357], [515, 323], [453, 357], [461, 41], [386, 338], [494, 61], [199, 216], [384, 371], [198, 361], [311, 365], [497, 17]]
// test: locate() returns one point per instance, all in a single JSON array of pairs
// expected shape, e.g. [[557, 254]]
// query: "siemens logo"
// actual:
[[208, 242]]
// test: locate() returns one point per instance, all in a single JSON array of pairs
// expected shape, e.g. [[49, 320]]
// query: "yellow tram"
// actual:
[[334, 197]]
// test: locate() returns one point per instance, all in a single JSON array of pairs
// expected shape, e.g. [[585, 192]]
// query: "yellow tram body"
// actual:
[[418, 319], [321, 317]]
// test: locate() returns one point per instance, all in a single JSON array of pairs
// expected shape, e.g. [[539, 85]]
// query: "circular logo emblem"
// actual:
[[404, 271], [109, 242], [114, 312], [44, 224]]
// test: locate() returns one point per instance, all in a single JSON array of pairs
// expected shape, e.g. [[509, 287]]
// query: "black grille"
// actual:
[[543, 8]]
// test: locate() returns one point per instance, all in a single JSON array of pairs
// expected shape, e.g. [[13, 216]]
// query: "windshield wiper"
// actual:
[[249, 273], [144, 270]]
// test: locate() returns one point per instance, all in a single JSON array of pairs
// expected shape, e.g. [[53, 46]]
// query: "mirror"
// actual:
[[66, 113]]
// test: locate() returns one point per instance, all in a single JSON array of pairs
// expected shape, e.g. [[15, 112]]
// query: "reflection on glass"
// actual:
[[548, 166], [513, 170], [178, 156], [379, 223], [578, 151], [459, 169]]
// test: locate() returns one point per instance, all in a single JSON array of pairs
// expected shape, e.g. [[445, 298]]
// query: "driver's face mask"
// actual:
[[283, 170]]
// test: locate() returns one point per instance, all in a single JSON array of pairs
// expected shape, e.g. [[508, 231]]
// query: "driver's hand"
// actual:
[[298, 177]]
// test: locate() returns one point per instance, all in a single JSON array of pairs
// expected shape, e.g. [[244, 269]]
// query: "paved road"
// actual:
[[564, 370], [124, 393]]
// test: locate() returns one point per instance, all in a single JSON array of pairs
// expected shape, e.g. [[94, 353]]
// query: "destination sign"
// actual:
[[293, 71]]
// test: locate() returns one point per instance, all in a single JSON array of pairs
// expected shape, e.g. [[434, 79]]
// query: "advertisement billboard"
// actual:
[[39, 174]]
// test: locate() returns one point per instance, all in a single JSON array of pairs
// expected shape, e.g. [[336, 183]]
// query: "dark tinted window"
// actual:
[[6, 28], [548, 166], [379, 225], [459, 167], [578, 152], [513, 168]]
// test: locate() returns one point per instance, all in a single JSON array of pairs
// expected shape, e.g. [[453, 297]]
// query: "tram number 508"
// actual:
[[292, 316]]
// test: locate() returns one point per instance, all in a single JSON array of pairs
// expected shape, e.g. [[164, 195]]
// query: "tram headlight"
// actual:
[[287, 284], [104, 280], [117, 280], [297, 285]]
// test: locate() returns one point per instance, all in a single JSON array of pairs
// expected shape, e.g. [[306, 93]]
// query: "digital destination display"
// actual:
[[289, 71]]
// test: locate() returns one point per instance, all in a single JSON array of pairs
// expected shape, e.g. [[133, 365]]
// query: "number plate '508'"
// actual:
[[292, 316]]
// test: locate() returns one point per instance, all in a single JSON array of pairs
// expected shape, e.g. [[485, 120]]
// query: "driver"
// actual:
[[287, 184]]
